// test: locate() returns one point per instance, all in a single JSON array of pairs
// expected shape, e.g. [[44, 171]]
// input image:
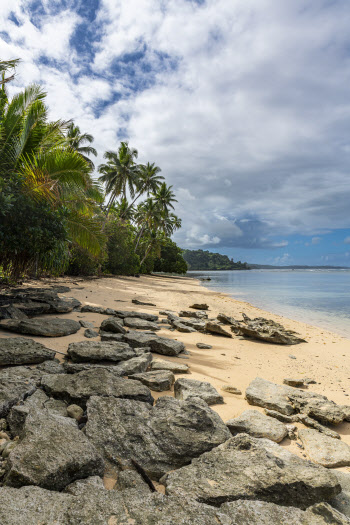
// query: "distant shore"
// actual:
[[237, 361]]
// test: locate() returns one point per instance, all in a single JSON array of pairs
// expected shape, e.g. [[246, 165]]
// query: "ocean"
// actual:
[[317, 297]]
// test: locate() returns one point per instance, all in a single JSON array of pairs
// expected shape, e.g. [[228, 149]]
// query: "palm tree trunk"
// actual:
[[138, 239], [145, 256]]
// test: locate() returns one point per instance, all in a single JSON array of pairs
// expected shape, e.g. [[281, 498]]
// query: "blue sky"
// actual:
[[244, 105]]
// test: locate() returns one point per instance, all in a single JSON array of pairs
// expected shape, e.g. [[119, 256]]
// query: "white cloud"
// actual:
[[247, 116]]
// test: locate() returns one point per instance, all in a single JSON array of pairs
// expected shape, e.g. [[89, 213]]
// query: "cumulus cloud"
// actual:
[[244, 105]]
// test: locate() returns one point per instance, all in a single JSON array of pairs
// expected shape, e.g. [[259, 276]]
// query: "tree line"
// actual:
[[56, 217], [205, 260]]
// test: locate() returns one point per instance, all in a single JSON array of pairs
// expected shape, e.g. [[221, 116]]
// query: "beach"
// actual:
[[324, 357]]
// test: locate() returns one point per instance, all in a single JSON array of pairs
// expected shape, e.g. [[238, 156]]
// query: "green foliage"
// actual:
[[121, 258], [205, 260], [171, 259], [81, 262], [32, 238]]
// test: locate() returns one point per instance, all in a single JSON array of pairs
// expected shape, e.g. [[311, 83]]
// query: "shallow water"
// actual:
[[317, 297]]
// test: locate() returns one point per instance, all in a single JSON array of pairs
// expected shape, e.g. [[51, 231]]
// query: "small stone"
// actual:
[[231, 389], [294, 382], [203, 346], [175, 368], [186, 389], [89, 333], [200, 306], [215, 328], [75, 412], [291, 356], [10, 446], [86, 324], [112, 325]]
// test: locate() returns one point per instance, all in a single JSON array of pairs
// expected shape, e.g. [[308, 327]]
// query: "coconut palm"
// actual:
[[7, 65], [76, 140], [35, 161], [164, 197], [119, 174], [148, 180]]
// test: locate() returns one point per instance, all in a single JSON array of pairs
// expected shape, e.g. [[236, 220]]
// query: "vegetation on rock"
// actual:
[[205, 260]]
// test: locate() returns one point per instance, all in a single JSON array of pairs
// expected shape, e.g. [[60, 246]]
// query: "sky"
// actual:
[[244, 104]]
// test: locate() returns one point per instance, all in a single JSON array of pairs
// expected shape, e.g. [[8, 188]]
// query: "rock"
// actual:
[[86, 324], [266, 394], [12, 390], [97, 351], [191, 388], [21, 351], [309, 422], [96, 309], [249, 468], [294, 382], [166, 312], [231, 389], [245, 512], [289, 400], [90, 334], [216, 328], [164, 346], [281, 417], [196, 324], [137, 365], [157, 380], [324, 450], [78, 388], [141, 303], [226, 319], [292, 432], [139, 315], [175, 368], [316, 406], [342, 501], [203, 346], [109, 336], [257, 425], [75, 368], [33, 506], [200, 306], [180, 327], [139, 339], [158, 438], [113, 325], [18, 414], [75, 412], [198, 315], [48, 327], [267, 330], [52, 454], [140, 324], [51, 367]]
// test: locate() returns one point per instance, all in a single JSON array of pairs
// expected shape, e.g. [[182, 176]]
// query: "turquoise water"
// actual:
[[317, 297]]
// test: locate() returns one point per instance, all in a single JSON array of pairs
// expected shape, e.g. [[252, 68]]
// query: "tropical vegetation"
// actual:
[[205, 260], [57, 214]]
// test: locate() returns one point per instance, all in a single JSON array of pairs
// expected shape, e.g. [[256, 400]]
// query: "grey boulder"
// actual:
[[78, 388], [140, 324], [52, 453], [158, 438], [97, 351], [22, 351], [325, 450], [164, 346], [139, 315], [249, 468], [203, 346], [48, 327], [13, 390], [199, 314], [111, 336], [257, 425], [245, 512], [216, 328], [175, 368], [89, 333], [136, 365], [190, 388], [113, 325], [342, 501], [157, 380]]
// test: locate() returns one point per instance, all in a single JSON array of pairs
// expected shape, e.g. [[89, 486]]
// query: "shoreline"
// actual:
[[288, 313], [232, 361]]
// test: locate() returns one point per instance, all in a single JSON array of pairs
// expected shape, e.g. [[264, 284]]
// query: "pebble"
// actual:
[[231, 389], [292, 356]]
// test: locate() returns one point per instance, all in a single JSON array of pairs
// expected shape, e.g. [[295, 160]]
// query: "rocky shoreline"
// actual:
[[65, 423]]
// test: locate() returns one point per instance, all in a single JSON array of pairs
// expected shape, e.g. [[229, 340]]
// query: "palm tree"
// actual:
[[124, 210], [164, 226], [148, 180], [146, 216], [7, 66], [35, 161], [164, 197], [76, 139], [119, 173]]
